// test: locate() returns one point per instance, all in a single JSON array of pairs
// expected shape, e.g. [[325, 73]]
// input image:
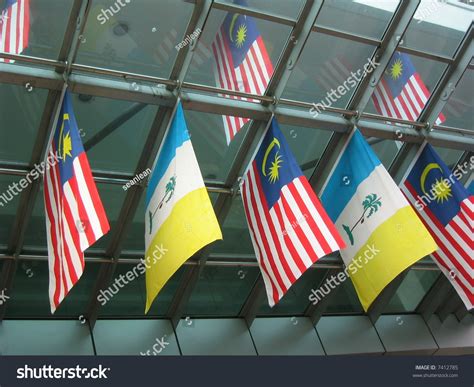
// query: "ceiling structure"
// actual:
[[126, 80]]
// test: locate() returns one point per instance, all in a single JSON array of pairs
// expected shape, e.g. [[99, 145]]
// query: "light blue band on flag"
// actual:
[[176, 136], [356, 164]]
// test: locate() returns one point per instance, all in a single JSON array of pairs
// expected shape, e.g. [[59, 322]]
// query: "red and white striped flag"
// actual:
[[446, 208], [290, 229], [14, 27], [242, 63], [401, 93], [75, 217]]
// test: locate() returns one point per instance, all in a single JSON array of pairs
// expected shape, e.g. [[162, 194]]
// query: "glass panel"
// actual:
[[93, 114], [344, 300], [273, 36], [20, 116], [127, 297], [386, 150], [235, 232], [328, 71], [288, 8], [296, 300], [209, 143], [438, 26], [221, 291], [135, 236], [47, 24], [112, 197], [8, 207], [449, 156], [307, 145], [132, 38], [458, 110], [30, 294], [411, 291], [405, 87], [361, 17]]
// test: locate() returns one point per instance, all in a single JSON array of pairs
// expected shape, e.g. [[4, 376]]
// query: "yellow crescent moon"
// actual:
[[427, 170], [61, 139], [231, 27], [274, 142]]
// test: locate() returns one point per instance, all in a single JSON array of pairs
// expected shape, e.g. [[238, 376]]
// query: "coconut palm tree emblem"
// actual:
[[371, 203], [169, 192]]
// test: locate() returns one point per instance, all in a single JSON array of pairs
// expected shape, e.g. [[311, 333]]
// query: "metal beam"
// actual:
[[449, 80], [316, 311], [254, 12], [346, 35], [382, 300], [214, 259], [294, 47], [449, 305], [461, 312], [371, 126], [78, 12], [12, 169], [434, 297], [327, 161], [201, 12], [6, 282], [253, 302]]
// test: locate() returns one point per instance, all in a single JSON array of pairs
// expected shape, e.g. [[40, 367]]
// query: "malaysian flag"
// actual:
[[75, 217], [290, 229], [401, 93], [14, 27], [242, 62], [447, 209]]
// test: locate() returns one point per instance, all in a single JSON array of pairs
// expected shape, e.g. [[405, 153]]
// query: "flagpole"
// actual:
[[412, 163], [56, 119], [170, 122], [258, 146]]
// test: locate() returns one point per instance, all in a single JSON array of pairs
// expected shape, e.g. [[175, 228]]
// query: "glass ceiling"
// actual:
[[125, 71]]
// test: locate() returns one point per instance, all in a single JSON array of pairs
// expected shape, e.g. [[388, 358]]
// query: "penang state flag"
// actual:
[[289, 228], [75, 217], [383, 234], [447, 210], [401, 93], [242, 62], [179, 216]]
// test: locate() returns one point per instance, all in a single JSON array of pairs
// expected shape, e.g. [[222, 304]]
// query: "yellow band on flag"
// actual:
[[390, 258]]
